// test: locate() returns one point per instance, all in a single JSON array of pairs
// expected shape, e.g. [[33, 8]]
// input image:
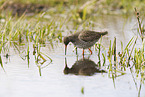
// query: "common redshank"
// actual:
[[83, 39]]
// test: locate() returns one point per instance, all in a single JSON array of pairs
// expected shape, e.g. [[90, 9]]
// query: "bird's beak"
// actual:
[[65, 49]]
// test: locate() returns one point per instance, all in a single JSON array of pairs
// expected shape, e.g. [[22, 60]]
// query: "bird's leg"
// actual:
[[90, 51], [83, 52]]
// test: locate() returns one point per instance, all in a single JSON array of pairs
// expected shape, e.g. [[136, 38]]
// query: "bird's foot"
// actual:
[[90, 51]]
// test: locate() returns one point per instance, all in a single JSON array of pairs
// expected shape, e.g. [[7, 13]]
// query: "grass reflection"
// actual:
[[1, 63], [41, 59]]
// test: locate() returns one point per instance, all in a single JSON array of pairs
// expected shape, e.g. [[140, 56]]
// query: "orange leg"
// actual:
[[83, 52], [90, 51]]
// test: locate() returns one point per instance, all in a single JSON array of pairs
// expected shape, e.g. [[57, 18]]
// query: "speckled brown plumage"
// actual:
[[83, 39]]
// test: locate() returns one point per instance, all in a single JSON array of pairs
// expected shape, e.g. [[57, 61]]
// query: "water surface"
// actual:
[[18, 79]]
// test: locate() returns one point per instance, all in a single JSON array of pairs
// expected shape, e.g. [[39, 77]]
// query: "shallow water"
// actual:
[[21, 80]]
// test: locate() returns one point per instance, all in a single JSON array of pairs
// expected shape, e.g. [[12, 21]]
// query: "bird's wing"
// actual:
[[89, 36]]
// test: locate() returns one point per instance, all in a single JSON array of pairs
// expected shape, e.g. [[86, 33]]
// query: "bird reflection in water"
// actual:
[[85, 67]]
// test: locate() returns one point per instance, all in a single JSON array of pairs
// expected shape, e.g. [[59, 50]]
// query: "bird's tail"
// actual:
[[104, 33]]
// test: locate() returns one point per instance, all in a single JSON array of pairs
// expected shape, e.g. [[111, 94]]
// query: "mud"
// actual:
[[28, 9]]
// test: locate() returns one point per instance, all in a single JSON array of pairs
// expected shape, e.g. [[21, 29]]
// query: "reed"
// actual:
[[114, 53], [122, 57], [16, 31], [99, 54], [110, 57], [141, 28], [129, 57], [28, 56], [104, 59], [1, 63]]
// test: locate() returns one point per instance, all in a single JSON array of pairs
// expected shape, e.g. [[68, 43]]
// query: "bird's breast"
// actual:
[[83, 44]]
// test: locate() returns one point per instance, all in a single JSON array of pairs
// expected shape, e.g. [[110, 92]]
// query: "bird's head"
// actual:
[[66, 41]]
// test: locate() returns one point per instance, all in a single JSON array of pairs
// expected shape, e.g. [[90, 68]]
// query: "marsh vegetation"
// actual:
[[32, 32]]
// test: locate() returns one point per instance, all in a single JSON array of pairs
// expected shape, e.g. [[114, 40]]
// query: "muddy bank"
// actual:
[[19, 8]]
